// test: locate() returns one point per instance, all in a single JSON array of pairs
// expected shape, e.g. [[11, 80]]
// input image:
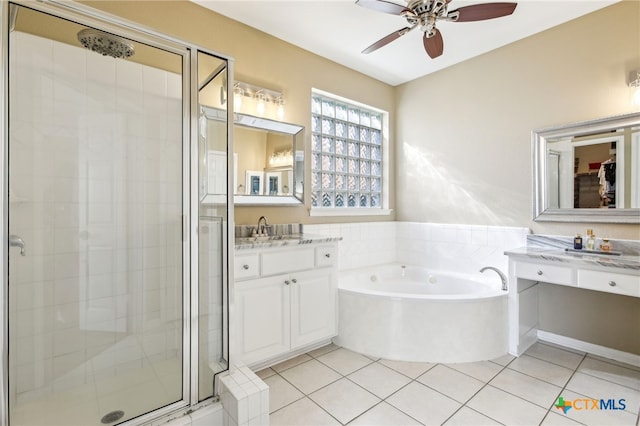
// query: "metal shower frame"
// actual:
[[189, 52]]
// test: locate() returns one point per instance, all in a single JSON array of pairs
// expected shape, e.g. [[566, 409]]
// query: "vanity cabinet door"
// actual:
[[263, 318], [313, 307]]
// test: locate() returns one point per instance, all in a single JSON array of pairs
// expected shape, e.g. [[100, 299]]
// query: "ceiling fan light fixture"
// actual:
[[426, 13]]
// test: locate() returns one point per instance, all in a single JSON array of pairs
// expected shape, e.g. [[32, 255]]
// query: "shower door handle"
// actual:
[[16, 241]]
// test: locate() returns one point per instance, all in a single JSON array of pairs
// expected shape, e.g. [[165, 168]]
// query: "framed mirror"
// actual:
[[268, 159], [588, 172]]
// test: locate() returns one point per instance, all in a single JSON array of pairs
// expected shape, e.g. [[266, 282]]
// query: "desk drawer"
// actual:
[[609, 282], [545, 273], [246, 266]]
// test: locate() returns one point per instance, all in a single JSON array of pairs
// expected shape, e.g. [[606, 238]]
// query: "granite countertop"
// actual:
[[554, 254], [243, 243]]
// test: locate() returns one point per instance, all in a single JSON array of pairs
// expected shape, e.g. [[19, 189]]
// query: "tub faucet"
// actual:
[[263, 230], [499, 272], [16, 241]]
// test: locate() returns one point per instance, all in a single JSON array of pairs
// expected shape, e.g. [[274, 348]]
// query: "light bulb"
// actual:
[[635, 96], [634, 87], [260, 107], [280, 111], [237, 97]]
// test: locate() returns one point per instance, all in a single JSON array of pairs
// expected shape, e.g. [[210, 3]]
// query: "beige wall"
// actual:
[[462, 151], [262, 60], [464, 134], [604, 319], [464, 146]]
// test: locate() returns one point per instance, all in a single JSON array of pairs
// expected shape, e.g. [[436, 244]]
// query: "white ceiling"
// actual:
[[339, 30]]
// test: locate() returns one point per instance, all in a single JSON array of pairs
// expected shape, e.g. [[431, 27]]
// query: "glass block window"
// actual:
[[346, 154]]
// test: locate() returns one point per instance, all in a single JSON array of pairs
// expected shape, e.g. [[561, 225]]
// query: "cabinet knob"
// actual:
[[294, 281], [327, 255], [245, 267], [287, 282], [612, 283], [539, 272]]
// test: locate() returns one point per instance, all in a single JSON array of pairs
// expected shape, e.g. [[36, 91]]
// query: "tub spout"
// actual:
[[503, 277]]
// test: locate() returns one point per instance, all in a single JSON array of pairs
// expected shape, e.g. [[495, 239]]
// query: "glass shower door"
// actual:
[[213, 353], [96, 206]]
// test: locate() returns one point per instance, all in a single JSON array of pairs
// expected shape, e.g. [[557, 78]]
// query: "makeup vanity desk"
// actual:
[[531, 266]]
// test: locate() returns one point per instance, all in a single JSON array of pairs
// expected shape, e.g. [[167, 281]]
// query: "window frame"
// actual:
[[383, 209]]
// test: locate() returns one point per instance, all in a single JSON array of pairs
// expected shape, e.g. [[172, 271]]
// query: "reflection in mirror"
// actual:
[[268, 159], [213, 354], [588, 171]]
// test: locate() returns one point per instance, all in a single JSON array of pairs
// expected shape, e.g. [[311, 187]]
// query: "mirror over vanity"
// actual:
[[268, 160], [588, 172]]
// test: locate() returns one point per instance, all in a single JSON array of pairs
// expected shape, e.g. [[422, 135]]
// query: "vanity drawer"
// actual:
[[545, 273], [609, 282], [246, 266], [281, 262], [326, 255]]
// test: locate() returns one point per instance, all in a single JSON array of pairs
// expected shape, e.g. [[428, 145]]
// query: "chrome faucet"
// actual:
[[263, 230], [16, 241], [499, 272]]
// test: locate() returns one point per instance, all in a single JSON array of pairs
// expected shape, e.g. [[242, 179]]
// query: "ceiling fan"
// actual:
[[425, 14]]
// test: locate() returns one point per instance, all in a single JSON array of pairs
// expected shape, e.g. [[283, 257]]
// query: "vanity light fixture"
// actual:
[[260, 97], [280, 111], [634, 85], [238, 93], [261, 100], [281, 159]]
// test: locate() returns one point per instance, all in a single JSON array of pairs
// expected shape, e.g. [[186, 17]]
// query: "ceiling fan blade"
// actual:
[[480, 12], [387, 39], [433, 45], [382, 6]]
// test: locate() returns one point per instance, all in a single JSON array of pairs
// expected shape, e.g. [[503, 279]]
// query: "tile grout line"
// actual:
[[575, 370], [385, 399], [486, 383], [304, 395]]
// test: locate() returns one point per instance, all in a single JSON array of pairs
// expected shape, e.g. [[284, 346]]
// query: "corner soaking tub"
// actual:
[[409, 313]]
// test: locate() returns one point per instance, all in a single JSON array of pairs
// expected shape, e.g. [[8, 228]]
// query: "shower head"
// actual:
[[105, 44]]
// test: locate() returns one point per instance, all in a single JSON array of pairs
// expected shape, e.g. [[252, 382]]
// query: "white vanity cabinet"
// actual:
[[529, 268], [285, 300]]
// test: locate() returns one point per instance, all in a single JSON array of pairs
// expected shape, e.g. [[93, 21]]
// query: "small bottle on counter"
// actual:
[[577, 242], [605, 245], [591, 240]]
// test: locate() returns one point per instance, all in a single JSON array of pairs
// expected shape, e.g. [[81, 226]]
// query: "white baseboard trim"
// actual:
[[603, 351], [256, 366]]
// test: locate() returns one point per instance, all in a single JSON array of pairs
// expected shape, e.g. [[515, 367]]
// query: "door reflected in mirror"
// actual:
[[588, 171], [268, 159], [597, 175]]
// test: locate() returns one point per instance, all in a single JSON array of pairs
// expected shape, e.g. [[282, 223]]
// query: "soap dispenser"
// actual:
[[591, 240]]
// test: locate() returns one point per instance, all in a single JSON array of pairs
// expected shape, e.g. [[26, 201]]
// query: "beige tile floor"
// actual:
[[334, 386]]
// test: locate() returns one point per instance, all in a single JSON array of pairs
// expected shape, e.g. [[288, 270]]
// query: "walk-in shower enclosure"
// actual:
[[114, 276]]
